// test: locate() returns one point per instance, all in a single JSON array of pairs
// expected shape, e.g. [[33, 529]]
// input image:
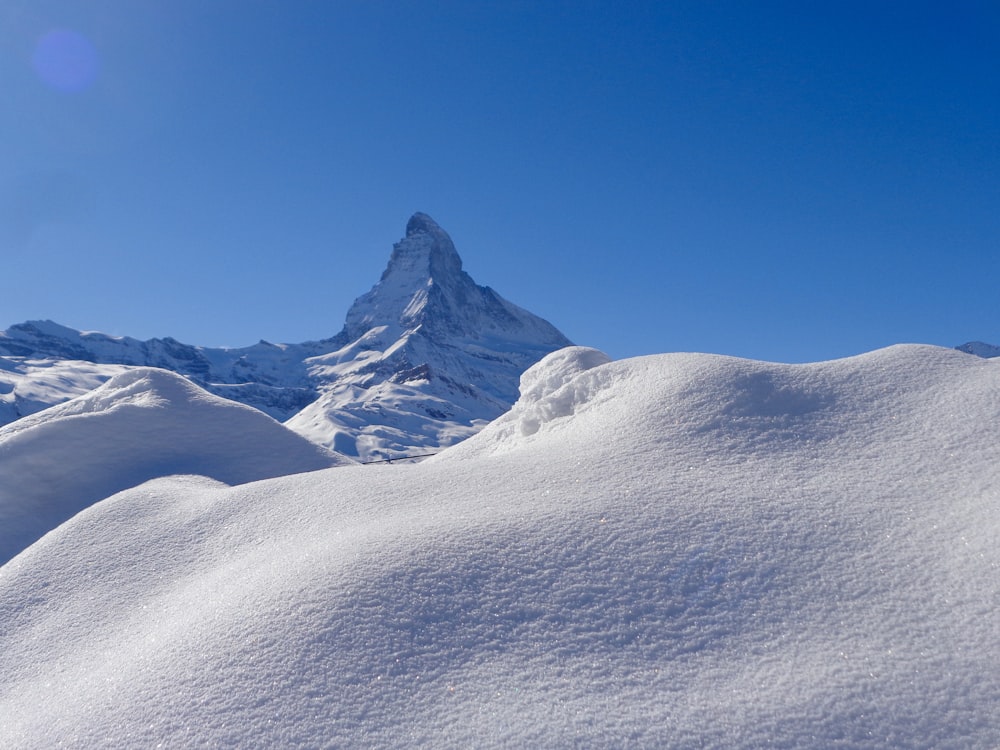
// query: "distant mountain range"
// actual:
[[425, 359], [986, 351]]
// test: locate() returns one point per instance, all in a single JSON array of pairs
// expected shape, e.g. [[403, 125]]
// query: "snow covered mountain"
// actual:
[[270, 377], [141, 424], [424, 359], [672, 551], [980, 349]]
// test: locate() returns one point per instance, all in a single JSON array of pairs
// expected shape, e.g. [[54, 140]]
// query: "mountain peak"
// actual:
[[424, 287], [426, 252], [425, 258], [421, 223]]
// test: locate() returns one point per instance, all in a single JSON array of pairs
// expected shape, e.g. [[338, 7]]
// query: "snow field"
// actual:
[[670, 551]]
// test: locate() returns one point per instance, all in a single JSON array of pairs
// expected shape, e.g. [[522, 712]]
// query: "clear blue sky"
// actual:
[[787, 181]]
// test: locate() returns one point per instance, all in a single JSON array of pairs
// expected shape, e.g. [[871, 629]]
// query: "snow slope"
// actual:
[[672, 551], [142, 423]]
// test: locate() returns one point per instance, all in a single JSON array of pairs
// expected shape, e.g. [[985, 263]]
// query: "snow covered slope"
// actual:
[[673, 551], [425, 359], [141, 424]]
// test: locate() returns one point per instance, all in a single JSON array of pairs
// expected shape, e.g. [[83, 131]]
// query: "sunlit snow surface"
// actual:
[[672, 551], [141, 424]]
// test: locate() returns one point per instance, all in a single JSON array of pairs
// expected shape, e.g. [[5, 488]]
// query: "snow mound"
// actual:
[[702, 552], [557, 369], [549, 391], [140, 424]]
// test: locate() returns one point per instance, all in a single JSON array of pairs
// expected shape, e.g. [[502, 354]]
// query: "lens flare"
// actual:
[[65, 60]]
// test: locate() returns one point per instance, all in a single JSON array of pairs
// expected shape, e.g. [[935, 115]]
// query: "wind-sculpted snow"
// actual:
[[683, 551], [548, 391], [142, 423]]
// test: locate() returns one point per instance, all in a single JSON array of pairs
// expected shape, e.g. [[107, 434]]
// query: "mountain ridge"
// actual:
[[424, 359]]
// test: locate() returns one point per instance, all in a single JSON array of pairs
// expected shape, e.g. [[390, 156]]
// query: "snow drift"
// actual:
[[142, 423], [672, 551]]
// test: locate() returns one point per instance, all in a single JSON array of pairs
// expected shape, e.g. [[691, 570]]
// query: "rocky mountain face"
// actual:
[[425, 359]]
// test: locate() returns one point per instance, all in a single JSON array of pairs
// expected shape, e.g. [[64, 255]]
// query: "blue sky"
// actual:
[[784, 181]]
